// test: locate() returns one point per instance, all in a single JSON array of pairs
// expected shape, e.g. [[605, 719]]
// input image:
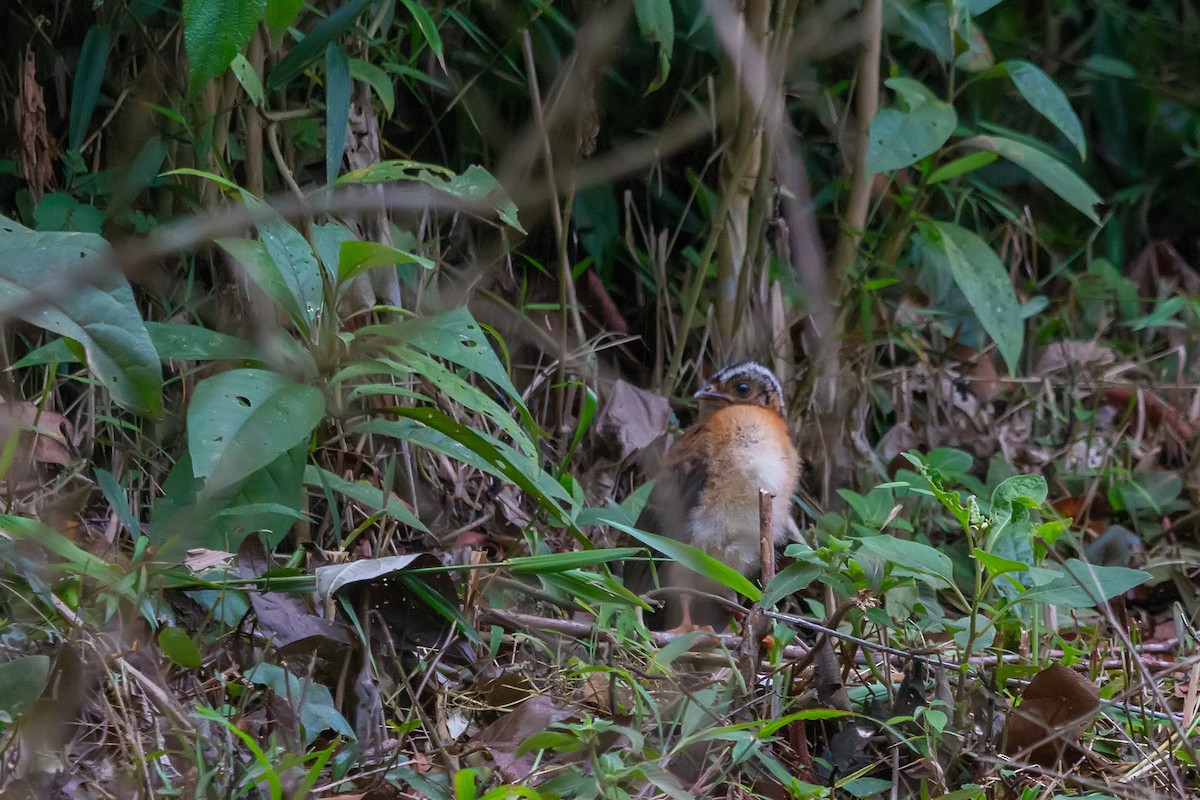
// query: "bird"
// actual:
[[708, 493]]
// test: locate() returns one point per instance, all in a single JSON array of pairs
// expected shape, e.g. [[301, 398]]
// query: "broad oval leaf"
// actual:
[[242, 420], [1046, 98], [178, 646], [1054, 175], [898, 139], [22, 681], [1083, 585], [983, 280], [58, 281], [915, 556], [295, 259]]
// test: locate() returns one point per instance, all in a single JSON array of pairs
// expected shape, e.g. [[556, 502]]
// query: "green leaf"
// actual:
[[89, 77], [961, 166], [379, 82], [474, 185], [66, 283], [338, 87], [428, 29], [983, 280], [240, 421], [281, 13], [254, 257], [22, 681], [313, 701], [791, 579], [1083, 585], [998, 565], [178, 646], [313, 45], [1027, 490], [1046, 98], [694, 559], [911, 555], [366, 493], [1054, 175], [574, 559], [898, 139], [267, 502], [430, 428], [248, 78], [656, 22], [214, 31], [59, 211], [355, 257]]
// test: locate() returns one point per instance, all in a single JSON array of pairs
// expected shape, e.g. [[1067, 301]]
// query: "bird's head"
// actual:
[[748, 383]]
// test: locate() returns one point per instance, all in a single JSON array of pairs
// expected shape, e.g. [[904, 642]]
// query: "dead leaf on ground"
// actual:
[[1158, 265], [502, 738], [631, 419], [43, 433], [1155, 410], [1073, 356], [1056, 708]]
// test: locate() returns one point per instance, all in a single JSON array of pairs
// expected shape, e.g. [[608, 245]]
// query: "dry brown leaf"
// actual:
[[1056, 708], [631, 419], [200, 559], [502, 738], [1074, 356], [35, 157], [1160, 265]]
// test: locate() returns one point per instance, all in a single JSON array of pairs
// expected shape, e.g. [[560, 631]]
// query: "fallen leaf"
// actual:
[[631, 419], [1056, 708], [1073, 356]]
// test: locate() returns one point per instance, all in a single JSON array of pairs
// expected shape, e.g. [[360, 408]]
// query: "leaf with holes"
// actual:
[[242, 420]]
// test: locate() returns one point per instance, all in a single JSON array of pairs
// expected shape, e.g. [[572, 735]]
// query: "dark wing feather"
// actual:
[[671, 501]]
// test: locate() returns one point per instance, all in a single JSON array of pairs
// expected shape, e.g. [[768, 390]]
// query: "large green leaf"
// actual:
[[1055, 175], [295, 259], [918, 557], [983, 280], [58, 281], [898, 138], [22, 681], [1045, 97], [214, 31], [188, 516], [242, 420], [1083, 585], [171, 341]]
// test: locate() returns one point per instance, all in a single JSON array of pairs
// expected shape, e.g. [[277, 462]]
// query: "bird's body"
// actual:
[[708, 494]]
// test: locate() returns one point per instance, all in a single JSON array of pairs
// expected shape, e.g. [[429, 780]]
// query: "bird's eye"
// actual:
[[742, 389]]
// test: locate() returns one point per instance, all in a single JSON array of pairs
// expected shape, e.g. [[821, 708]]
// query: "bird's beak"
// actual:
[[709, 393]]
